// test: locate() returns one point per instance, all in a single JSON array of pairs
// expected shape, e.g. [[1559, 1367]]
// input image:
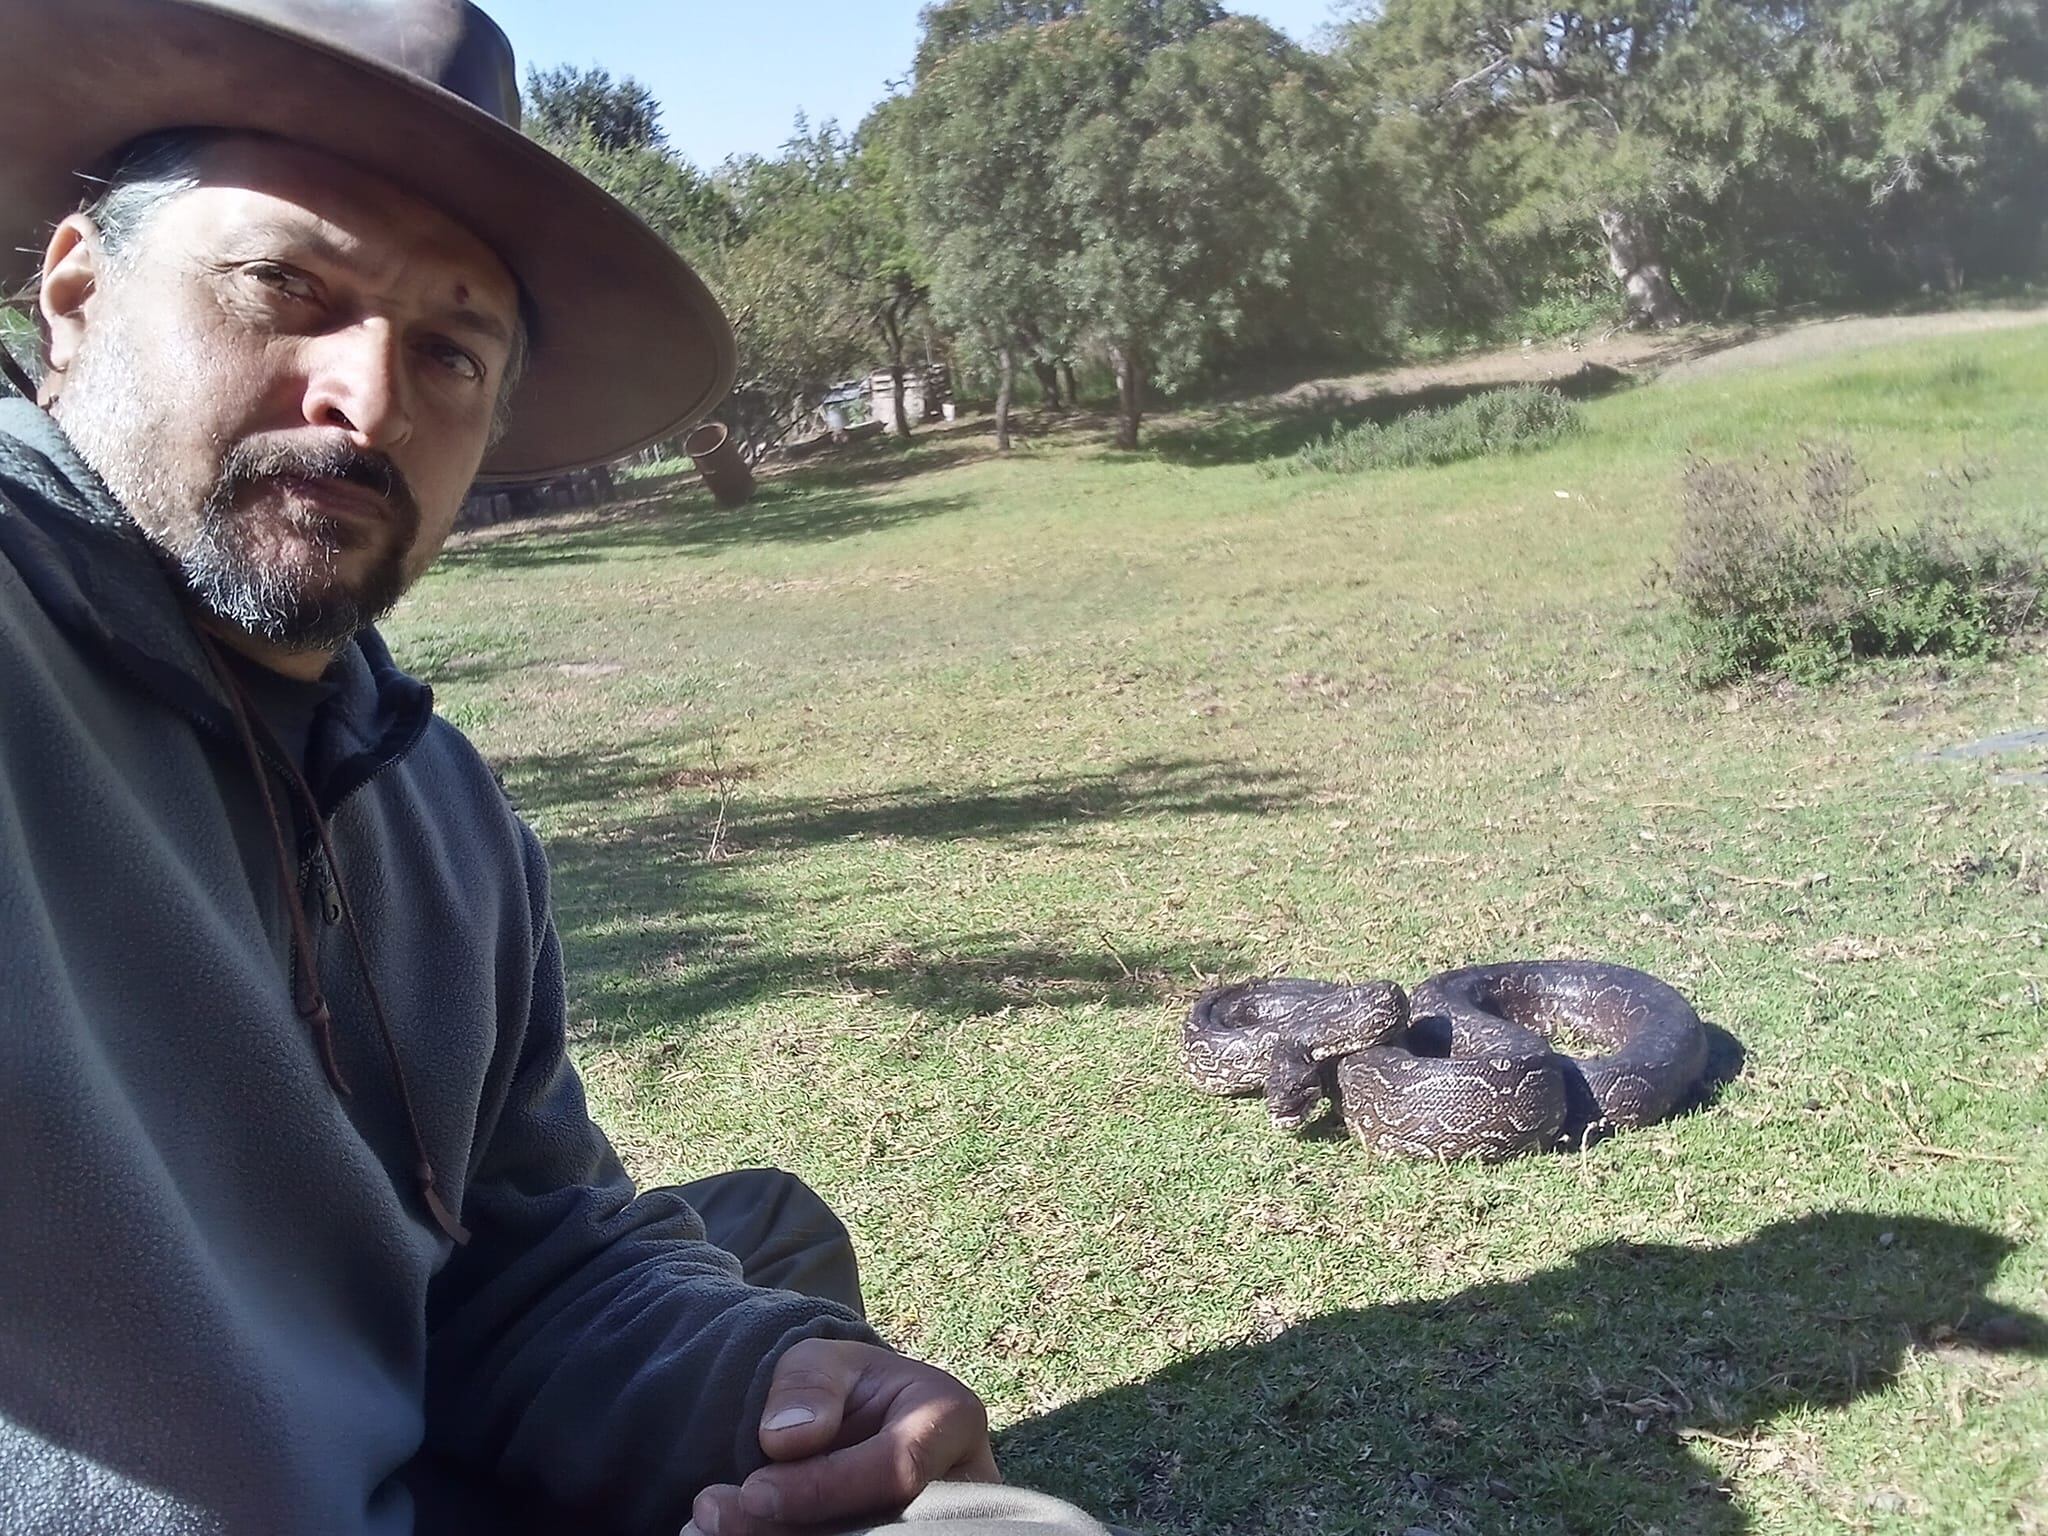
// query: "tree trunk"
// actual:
[[1633, 256], [1067, 378], [1127, 358], [1006, 369], [1736, 255], [1048, 383], [901, 425], [891, 330]]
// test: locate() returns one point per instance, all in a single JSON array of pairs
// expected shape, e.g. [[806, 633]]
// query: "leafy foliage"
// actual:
[[808, 252], [826, 274], [1125, 174], [565, 104], [982, 128], [1777, 568], [22, 341], [1175, 195], [1189, 191], [1496, 421], [611, 131], [1858, 145]]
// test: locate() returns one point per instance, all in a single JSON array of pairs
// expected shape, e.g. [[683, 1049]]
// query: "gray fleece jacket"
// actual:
[[223, 1305]]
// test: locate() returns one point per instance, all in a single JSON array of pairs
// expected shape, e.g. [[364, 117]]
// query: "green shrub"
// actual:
[[1778, 569], [1565, 308], [1499, 421], [19, 336]]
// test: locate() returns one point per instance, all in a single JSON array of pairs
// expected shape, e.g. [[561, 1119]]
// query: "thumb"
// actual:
[[806, 1400]]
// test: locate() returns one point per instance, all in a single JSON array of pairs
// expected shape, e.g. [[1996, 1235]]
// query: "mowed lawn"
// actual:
[[897, 818]]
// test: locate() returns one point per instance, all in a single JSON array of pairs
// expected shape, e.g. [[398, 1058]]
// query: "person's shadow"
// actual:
[[1570, 1401]]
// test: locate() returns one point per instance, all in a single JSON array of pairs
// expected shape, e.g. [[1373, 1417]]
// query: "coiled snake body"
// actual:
[[1470, 1065]]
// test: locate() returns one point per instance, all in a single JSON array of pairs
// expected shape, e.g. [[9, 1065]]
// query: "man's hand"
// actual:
[[851, 1430]]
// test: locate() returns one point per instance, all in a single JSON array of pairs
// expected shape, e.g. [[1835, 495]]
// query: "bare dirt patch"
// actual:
[[1692, 352], [1822, 338]]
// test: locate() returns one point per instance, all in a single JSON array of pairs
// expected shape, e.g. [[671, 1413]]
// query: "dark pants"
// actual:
[[784, 1236]]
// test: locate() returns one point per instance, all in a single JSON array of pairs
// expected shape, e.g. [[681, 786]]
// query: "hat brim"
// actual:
[[632, 347]]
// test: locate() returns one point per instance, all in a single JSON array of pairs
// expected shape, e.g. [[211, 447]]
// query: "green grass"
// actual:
[[898, 817]]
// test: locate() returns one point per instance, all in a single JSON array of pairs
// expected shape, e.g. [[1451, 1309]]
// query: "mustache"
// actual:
[[247, 463]]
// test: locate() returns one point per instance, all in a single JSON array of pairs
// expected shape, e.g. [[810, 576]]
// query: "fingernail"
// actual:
[[761, 1500], [791, 1418], [705, 1518]]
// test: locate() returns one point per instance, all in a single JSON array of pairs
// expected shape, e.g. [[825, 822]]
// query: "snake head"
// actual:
[[1295, 1089]]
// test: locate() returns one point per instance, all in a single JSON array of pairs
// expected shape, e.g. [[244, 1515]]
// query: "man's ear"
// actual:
[[72, 266]]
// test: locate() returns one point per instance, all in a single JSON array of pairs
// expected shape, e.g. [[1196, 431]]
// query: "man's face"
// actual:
[[288, 379]]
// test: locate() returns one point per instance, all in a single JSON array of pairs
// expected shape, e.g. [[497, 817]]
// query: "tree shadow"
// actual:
[[662, 919], [884, 461], [1037, 805], [1564, 1402], [1143, 787], [699, 975], [1279, 428], [789, 511]]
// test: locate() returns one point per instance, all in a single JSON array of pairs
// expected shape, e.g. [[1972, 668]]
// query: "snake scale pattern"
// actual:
[[1476, 1063]]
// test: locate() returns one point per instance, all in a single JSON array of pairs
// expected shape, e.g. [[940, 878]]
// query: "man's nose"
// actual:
[[357, 381]]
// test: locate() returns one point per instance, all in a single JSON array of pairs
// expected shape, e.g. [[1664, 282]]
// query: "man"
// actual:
[[305, 1222]]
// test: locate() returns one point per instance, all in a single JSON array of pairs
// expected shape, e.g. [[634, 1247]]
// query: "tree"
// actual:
[[828, 216], [844, 203], [799, 327], [21, 352], [796, 334], [951, 24], [1133, 172], [1703, 133], [1559, 104], [788, 315], [566, 104], [981, 129], [1190, 177], [1938, 111], [611, 131]]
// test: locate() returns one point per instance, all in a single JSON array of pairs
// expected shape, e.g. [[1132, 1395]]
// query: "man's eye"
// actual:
[[284, 280], [456, 361]]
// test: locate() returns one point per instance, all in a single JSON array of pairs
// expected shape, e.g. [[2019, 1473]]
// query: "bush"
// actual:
[[19, 336], [1499, 421], [1777, 569]]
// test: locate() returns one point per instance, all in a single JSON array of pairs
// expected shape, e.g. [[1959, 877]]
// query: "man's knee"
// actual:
[[990, 1509], [781, 1230]]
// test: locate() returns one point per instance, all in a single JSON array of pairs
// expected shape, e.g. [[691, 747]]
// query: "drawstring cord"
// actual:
[[307, 996]]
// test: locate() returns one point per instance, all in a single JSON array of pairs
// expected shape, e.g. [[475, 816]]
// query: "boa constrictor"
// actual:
[[1469, 1066]]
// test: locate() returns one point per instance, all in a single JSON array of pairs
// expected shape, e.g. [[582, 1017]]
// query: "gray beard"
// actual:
[[224, 558]]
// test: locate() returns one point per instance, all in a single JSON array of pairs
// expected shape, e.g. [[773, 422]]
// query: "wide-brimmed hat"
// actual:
[[630, 347]]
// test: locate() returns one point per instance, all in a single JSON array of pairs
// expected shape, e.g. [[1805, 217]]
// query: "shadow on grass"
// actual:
[[1246, 434], [885, 462], [1046, 803], [1565, 1402], [792, 511], [684, 986], [872, 461], [663, 922], [1144, 787]]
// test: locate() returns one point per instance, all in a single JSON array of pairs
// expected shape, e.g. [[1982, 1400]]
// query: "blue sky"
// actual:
[[732, 77]]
